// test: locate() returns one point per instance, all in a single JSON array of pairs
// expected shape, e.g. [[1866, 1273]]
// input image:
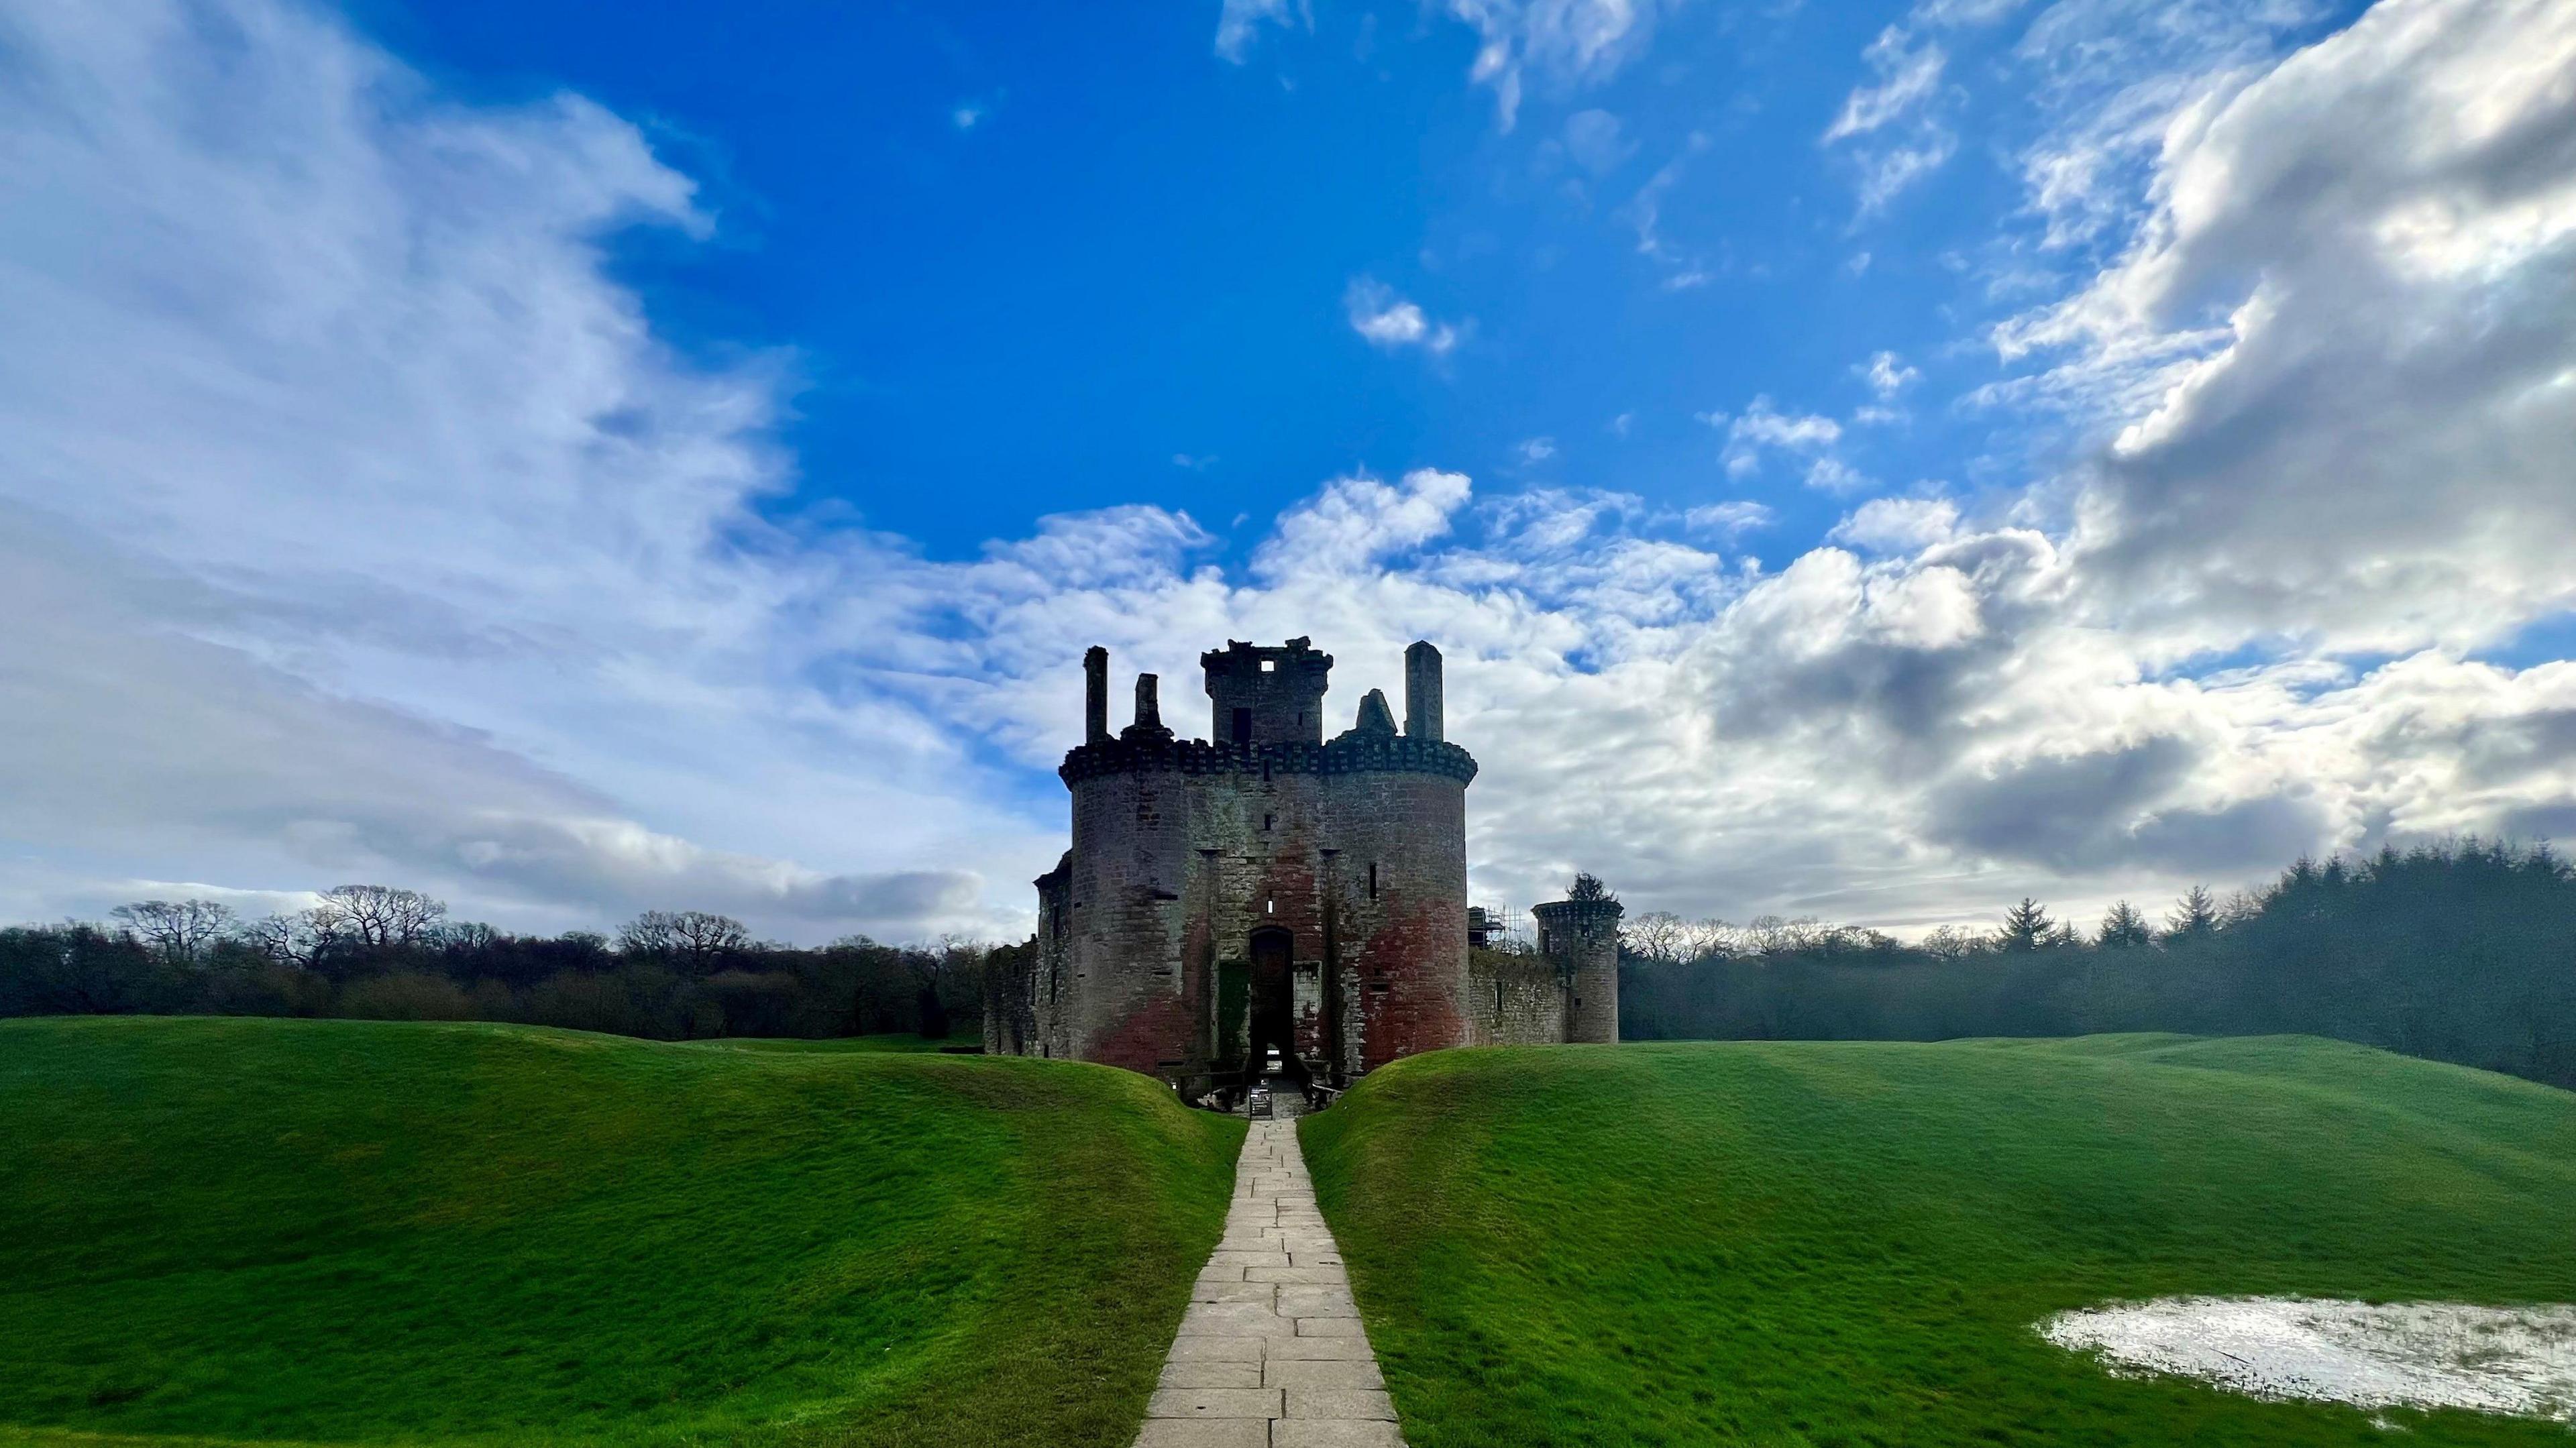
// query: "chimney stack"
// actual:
[[1149, 706], [1422, 692], [1095, 694]]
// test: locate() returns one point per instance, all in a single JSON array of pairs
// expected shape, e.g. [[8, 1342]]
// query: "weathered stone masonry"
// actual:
[[1271, 889]]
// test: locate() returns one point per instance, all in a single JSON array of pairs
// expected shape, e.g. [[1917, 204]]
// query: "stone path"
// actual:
[[1271, 1354]]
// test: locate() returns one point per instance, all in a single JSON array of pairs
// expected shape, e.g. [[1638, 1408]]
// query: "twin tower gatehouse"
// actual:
[[1267, 888]]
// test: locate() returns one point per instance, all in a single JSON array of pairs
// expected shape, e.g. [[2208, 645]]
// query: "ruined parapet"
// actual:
[[1263, 696], [1582, 937]]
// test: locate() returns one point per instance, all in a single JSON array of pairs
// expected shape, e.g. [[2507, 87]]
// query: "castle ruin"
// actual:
[[1269, 889]]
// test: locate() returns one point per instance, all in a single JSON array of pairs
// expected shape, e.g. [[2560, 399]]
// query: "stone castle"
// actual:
[[1269, 889]]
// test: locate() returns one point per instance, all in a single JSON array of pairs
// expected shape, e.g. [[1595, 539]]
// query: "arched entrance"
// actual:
[[1273, 1003]]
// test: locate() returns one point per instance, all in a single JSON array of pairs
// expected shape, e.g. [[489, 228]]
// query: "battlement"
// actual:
[[1351, 753]]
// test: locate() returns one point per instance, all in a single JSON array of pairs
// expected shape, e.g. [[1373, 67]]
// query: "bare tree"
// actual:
[[1950, 943], [284, 939], [181, 932], [699, 939], [374, 916], [1656, 935], [1711, 939]]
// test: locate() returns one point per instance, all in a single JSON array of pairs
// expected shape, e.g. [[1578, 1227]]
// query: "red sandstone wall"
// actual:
[[1404, 953]]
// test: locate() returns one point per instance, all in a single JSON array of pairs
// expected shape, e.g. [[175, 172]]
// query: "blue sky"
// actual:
[[1024, 260], [1871, 462]]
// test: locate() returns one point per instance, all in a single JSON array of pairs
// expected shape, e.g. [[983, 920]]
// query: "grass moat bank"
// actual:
[[356, 1232], [1852, 1243]]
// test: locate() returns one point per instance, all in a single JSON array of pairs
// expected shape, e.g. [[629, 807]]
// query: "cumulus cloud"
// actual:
[[2359, 392], [1897, 525], [351, 490], [1391, 322]]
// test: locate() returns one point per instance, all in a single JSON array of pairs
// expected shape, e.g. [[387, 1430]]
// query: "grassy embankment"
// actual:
[[339, 1232], [1848, 1243]]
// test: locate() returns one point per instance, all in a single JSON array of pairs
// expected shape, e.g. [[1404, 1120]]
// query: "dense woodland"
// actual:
[[2462, 952]]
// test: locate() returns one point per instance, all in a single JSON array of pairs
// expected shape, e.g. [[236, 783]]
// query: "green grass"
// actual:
[[356, 1232], [1849, 1243]]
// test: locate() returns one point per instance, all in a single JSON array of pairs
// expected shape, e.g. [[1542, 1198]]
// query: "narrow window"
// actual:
[[1498, 995], [1266, 819], [1372, 879], [1242, 726], [1269, 907]]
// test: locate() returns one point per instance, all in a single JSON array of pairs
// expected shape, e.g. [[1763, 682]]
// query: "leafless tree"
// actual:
[[282, 938], [1656, 935], [697, 938], [375, 916], [181, 932], [1711, 939]]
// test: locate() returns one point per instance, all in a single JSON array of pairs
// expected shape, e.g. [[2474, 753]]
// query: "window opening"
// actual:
[[1242, 726], [1372, 879]]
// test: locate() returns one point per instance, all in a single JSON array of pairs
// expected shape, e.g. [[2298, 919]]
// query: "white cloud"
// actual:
[[1909, 82], [1239, 22], [1564, 44], [1536, 449], [1762, 428], [2369, 448], [1907, 78], [1729, 520], [1391, 322], [966, 117], [1887, 374], [1898, 525]]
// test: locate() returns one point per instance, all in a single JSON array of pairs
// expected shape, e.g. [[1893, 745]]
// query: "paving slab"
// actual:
[[1271, 1353]]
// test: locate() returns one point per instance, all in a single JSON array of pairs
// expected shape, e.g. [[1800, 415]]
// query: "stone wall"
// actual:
[[1516, 1000]]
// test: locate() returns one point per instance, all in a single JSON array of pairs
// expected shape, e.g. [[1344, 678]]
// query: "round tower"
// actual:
[[1582, 936]]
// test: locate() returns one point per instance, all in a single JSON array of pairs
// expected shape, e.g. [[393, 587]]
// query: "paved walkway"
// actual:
[[1271, 1354]]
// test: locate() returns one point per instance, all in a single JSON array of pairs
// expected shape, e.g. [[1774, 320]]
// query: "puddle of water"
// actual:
[[2517, 1360]]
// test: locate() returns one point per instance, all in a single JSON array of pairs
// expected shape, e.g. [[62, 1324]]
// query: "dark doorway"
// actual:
[[1242, 726], [1274, 1013]]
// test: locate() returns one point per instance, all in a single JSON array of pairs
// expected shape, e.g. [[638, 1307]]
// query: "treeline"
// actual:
[[2464, 952], [376, 952]]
